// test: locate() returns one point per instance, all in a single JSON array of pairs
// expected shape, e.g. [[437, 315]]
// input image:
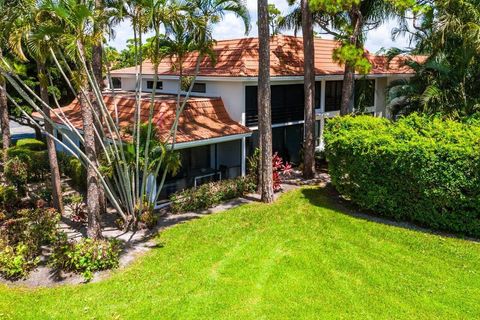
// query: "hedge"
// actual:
[[425, 170], [211, 194], [31, 144]]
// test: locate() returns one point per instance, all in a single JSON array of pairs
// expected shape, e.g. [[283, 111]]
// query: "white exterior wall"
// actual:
[[380, 97]]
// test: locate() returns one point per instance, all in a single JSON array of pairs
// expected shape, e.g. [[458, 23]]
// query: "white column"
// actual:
[[322, 96], [244, 155]]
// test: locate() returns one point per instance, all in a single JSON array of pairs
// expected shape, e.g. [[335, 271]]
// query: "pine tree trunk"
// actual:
[[52, 152], [309, 88], [93, 206], [347, 90], [349, 77], [4, 118], [264, 108]]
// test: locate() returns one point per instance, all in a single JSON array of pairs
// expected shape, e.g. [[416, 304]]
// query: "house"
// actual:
[[218, 129]]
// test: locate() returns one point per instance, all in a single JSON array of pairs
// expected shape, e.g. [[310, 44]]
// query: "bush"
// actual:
[[425, 170], [36, 161], [85, 256], [31, 144], [8, 198], [21, 238], [74, 169], [16, 172], [211, 194], [16, 261], [280, 168]]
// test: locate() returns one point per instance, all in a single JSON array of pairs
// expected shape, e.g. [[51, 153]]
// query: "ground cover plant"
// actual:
[[418, 168], [301, 257]]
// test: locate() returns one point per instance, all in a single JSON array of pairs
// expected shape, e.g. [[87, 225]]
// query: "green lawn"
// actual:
[[298, 258]]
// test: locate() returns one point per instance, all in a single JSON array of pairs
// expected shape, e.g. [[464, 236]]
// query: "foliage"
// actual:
[[16, 172], [421, 169], [21, 238], [9, 198], [75, 203], [73, 168], [211, 194], [36, 162], [31, 144], [85, 256], [446, 81], [280, 168], [16, 261]]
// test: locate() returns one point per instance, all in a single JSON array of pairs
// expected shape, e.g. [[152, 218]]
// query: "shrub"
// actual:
[[31, 144], [75, 203], [21, 238], [425, 170], [85, 256], [211, 194], [16, 261], [36, 161], [16, 172], [280, 168], [8, 198], [74, 169]]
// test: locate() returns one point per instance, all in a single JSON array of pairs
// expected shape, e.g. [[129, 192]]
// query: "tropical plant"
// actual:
[[446, 82], [33, 32], [126, 185]]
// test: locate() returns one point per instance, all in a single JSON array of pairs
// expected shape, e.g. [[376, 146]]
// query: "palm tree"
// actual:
[[34, 33], [309, 90], [76, 20], [264, 107]]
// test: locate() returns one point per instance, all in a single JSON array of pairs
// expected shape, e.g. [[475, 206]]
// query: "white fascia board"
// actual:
[[198, 143], [273, 79]]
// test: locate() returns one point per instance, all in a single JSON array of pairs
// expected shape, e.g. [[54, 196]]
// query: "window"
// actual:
[[364, 94], [150, 85], [333, 95], [199, 87], [117, 83]]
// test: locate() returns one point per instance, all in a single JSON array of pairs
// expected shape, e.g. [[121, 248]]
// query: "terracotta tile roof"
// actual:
[[202, 118], [239, 58]]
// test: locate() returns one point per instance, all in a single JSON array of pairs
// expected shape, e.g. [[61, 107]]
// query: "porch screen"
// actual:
[[287, 104]]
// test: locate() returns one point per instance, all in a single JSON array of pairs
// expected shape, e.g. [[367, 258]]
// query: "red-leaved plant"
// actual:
[[280, 168]]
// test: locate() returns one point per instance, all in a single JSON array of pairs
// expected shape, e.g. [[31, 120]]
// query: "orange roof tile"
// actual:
[[202, 118], [239, 58]]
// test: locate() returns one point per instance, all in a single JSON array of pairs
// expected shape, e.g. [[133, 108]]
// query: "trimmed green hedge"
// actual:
[[420, 169], [31, 144]]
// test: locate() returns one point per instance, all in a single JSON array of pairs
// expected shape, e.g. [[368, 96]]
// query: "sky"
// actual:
[[232, 27]]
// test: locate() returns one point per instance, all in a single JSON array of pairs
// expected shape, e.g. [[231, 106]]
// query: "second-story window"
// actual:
[[199, 87], [150, 85], [333, 95]]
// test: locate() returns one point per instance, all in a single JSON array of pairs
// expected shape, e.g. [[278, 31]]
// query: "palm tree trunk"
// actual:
[[309, 88], [264, 108], [4, 118], [97, 66], [93, 206], [349, 75], [52, 152]]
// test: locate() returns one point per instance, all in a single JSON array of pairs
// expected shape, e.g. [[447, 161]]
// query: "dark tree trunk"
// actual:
[[38, 133], [52, 152], [264, 108], [349, 77], [97, 66], [4, 118], [93, 206], [309, 88]]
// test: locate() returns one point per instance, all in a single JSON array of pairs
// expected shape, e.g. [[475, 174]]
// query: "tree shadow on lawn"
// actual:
[[335, 201]]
